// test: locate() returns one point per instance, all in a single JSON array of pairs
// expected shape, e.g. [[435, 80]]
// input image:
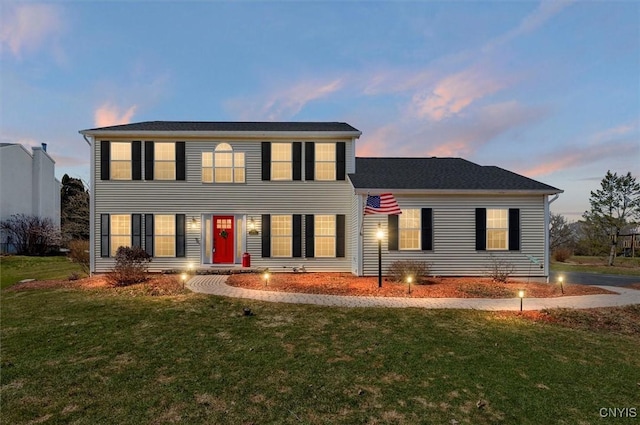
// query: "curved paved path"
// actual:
[[216, 285]]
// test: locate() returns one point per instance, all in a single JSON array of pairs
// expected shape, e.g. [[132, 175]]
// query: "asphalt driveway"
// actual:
[[594, 278]]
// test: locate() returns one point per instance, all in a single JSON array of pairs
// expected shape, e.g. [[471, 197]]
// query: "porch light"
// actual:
[[252, 227], [521, 296], [379, 236], [194, 223], [190, 267], [560, 279]]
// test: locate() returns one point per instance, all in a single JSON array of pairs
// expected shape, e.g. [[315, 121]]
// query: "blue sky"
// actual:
[[550, 90]]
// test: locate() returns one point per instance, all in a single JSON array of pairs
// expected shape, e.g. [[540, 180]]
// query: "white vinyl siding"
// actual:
[[409, 229], [120, 161], [281, 162], [165, 161], [120, 232], [325, 235], [164, 234], [281, 236], [325, 165], [497, 229]]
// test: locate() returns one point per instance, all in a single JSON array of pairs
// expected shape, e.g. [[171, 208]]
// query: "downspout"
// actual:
[[547, 216], [92, 204]]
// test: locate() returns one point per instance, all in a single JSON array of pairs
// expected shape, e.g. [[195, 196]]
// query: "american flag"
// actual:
[[382, 204]]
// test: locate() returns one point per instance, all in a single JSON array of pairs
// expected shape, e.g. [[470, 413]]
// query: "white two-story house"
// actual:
[[292, 194]]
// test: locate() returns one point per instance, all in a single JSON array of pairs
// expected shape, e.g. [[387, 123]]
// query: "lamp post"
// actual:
[[560, 279], [379, 236], [521, 295]]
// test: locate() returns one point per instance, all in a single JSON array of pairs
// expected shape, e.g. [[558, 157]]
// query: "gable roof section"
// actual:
[[225, 127], [439, 175]]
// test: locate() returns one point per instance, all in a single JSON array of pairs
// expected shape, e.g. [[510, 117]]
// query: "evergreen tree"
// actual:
[[74, 210]]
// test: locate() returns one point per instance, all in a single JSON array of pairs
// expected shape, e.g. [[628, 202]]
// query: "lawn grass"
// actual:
[[14, 268], [621, 265], [87, 357]]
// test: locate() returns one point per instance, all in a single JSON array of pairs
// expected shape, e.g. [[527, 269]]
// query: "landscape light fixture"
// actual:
[[379, 236], [266, 276], [184, 279], [409, 280], [560, 279], [521, 296]]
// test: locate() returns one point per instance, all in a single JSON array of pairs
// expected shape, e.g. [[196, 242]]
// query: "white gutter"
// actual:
[[455, 192], [547, 252], [225, 134]]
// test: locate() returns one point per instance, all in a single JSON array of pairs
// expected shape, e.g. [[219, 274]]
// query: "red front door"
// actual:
[[223, 239]]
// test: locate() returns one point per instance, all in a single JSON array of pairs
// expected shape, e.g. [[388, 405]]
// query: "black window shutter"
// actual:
[[481, 229], [104, 235], [181, 164], [297, 235], [427, 229], [266, 235], [136, 230], [392, 228], [340, 235], [297, 160], [309, 234], [266, 162], [309, 160], [136, 160], [341, 163], [105, 160], [514, 229], [181, 235], [148, 234], [148, 160]]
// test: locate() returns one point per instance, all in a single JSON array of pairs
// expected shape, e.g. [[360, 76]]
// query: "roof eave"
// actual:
[[364, 191], [223, 134]]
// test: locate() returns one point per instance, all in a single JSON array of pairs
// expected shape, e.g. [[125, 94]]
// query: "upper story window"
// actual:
[[281, 161], [325, 166], [120, 163], [409, 228], [497, 228], [223, 166], [281, 236], [165, 161], [325, 235], [120, 232]]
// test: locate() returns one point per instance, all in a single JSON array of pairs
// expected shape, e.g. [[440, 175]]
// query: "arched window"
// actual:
[[223, 165]]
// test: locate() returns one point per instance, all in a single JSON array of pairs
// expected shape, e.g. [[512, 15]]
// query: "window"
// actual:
[[165, 161], [497, 229], [281, 236], [325, 168], [281, 163], [121, 161], [409, 229], [325, 235], [164, 236], [223, 166], [120, 226]]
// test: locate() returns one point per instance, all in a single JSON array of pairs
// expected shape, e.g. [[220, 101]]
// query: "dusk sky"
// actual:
[[550, 90]]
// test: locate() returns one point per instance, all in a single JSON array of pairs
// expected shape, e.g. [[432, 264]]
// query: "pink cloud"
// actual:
[[109, 114], [26, 27]]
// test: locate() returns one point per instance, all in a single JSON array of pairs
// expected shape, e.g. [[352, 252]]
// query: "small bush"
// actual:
[[131, 266], [500, 269], [73, 276], [400, 270], [79, 254], [561, 254]]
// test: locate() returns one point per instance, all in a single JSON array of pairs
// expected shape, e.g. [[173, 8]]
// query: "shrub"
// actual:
[[131, 266], [74, 276], [30, 234], [79, 254], [399, 270], [561, 254], [500, 269]]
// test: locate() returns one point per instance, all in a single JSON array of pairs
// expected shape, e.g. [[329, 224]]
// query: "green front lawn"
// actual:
[[621, 265], [14, 268], [88, 357]]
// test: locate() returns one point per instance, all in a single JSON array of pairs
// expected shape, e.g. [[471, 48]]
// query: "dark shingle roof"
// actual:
[[206, 126], [439, 174]]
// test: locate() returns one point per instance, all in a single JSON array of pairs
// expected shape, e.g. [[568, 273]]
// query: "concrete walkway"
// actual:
[[216, 285]]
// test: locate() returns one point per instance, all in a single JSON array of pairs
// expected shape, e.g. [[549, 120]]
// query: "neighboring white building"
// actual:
[[27, 184]]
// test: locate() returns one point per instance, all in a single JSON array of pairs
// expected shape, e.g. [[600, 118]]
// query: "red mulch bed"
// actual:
[[445, 287]]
